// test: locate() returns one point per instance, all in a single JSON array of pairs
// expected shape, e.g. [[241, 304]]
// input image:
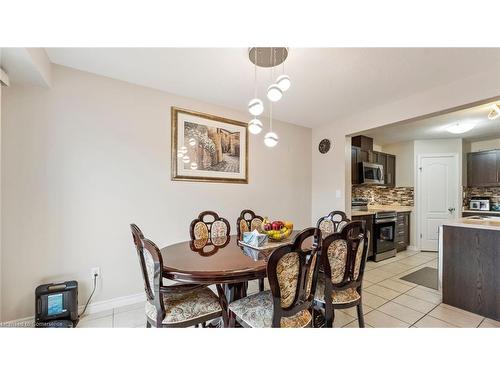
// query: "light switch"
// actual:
[[338, 194]]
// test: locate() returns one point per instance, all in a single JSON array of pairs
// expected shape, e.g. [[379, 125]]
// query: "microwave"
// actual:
[[372, 173]]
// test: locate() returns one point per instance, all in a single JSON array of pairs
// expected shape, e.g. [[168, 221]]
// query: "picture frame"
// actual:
[[208, 148]]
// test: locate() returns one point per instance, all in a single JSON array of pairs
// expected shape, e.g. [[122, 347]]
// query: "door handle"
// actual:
[[451, 210]]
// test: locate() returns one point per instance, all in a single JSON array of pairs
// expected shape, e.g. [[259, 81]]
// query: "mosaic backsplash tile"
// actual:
[[491, 192], [384, 195]]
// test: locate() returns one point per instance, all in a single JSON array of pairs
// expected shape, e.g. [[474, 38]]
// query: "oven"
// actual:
[[384, 227], [372, 173]]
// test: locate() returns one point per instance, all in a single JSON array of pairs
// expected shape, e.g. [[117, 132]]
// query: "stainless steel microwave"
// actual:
[[372, 173]]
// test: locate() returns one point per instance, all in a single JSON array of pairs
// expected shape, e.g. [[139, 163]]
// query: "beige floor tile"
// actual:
[[104, 322], [430, 322], [130, 319], [401, 312], [367, 284], [376, 275], [355, 324], [414, 303], [372, 300], [395, 268], [397, 278], [383, 292], [430, 290], [489, 323], [413, 261], [455, 317], [405, 254], [424, 295], [352, 311], [395, 285], [371, 265], [465, 312], [341, 319], [378, 319]]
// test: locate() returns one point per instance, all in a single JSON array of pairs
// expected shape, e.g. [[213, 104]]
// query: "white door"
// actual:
[[438, 196]]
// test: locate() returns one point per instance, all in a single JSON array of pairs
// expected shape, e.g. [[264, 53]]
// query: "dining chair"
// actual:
[[179, 305], [247, 222], [292, 271], [209, 225], [333, 222], [343, 261]]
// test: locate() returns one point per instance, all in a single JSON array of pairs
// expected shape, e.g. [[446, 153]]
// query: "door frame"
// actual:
[[418, 188]]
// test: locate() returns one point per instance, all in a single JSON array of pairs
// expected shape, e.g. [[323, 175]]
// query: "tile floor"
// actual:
[[387, 301]]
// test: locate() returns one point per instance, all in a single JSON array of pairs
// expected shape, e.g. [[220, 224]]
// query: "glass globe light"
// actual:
[[180, 154], [194, 165], [284, 83], [192, 141], [256, 107], [185, 159], [255, 126], [274, 93], [183, 149], [271, 139]]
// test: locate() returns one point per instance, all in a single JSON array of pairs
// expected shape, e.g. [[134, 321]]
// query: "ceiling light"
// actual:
[[284, 83], [494, 113], [271, 139], [256, 107], [274, 93], [255, 126], [460, 128]]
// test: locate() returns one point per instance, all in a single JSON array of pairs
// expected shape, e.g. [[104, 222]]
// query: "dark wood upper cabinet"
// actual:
[[362, 151], [390, 171], [483, 168]]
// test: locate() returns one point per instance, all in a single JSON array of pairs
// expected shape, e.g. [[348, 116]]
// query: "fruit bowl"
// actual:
[[277, 230]]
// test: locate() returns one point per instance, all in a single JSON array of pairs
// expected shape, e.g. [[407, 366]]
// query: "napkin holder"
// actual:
[[254, 239]]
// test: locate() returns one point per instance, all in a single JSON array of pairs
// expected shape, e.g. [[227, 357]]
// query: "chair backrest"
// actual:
[[333, 222], [209, 246], [247, 222], [292, 272], [209, 225], [151, 264], [344, 257]]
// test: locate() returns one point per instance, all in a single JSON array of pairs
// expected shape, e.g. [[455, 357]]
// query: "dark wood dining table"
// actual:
[[222, 261]]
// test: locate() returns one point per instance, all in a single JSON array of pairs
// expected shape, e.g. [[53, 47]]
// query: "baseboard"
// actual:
[[92, 308]]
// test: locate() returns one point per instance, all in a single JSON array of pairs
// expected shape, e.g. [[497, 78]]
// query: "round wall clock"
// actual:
[[324, 146]]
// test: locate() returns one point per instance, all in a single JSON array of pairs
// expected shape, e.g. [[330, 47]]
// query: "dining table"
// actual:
[[223, 261]]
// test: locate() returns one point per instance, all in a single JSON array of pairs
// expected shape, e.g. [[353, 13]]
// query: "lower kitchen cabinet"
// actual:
[[402, 235], [368, 220]]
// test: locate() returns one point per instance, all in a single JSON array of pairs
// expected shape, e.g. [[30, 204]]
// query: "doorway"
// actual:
[[438, 196]]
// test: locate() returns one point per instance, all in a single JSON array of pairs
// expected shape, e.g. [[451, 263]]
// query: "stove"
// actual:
[[384, 228]]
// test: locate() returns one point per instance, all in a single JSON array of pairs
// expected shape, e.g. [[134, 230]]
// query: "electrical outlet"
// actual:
[[94, 271]]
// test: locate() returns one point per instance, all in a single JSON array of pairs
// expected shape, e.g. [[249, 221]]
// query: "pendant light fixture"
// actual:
[[495, 112], [267, 57], [271, 138], [255, 107]]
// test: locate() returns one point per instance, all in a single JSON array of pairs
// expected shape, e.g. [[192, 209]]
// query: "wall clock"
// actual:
[[324, 146]]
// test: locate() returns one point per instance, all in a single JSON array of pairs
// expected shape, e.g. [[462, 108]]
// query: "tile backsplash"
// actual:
[[490, 192], [384, 195]]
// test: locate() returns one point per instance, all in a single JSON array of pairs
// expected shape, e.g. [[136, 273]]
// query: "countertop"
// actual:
[[373, 209], [467, 222]]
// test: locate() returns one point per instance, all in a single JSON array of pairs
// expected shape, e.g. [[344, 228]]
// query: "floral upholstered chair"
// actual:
[[343, 260], [247, 222], [209, 225], [333, 222], [180, 305], [292, 271]]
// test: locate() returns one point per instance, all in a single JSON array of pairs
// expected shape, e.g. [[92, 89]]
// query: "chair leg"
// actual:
[[232, 320], [197, 326], [329, 316], [361, 318], [148, 325], [203, 325], [261, 285]]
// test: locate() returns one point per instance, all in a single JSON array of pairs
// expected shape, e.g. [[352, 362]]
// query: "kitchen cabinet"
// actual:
[[483, 168], [359, 155], [368, 220], [402, 235]]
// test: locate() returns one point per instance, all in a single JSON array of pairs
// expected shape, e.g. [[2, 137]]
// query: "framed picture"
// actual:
[[208, 148]]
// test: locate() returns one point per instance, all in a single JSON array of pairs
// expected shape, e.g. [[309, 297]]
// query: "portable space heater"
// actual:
[[57, 305]]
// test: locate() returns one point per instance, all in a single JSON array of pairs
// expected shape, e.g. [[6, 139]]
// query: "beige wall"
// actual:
[[90, 156], [1, 262], [331, 172], [489, 144]]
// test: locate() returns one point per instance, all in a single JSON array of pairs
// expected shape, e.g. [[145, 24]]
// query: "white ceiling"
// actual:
[[435, 127], [327, 83]]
